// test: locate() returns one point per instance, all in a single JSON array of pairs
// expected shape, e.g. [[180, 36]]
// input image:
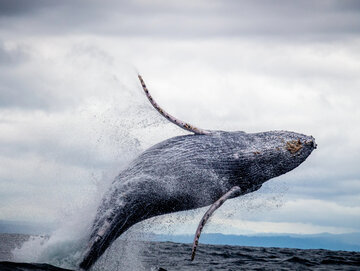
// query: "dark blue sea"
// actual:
[[175, 256]]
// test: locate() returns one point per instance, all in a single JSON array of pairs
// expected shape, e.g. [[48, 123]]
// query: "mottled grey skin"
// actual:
[[192, 171]]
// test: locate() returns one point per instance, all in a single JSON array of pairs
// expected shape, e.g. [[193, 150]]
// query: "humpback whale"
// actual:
[[191, 171]]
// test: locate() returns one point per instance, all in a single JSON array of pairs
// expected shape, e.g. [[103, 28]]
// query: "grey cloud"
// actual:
[[323, 214], [21, 96], [88, 153], [30, 81], [21, 7], [52, 149], [295, 19], [26, 93], [300, 208], [31, 92], [338, 189], [12, 56]]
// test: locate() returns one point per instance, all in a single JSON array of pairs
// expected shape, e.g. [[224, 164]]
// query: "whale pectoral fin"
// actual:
[[207, 215], [170, 118]]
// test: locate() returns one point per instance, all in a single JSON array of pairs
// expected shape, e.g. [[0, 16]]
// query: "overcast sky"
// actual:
[[72, 112]]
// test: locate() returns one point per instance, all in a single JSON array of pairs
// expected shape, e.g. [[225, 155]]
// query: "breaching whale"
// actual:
[[191, 171]]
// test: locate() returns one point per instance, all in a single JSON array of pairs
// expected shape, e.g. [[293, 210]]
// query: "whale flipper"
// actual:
[[207, 215], [180, 123]]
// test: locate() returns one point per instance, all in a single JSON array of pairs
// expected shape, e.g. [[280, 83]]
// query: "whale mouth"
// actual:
[[311, 142], [314, 145]]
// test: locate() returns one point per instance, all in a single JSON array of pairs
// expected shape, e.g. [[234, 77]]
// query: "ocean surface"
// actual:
[[175, 256]]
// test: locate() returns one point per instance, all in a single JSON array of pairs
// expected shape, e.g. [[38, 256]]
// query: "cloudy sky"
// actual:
[[72, 112]]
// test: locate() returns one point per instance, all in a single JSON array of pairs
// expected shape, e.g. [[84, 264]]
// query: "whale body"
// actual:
[[189, 172]]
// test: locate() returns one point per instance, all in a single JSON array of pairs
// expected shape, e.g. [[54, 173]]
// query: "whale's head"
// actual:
[[259, 157]]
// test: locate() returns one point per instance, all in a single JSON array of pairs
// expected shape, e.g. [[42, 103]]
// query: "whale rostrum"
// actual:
[[191, 171]]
